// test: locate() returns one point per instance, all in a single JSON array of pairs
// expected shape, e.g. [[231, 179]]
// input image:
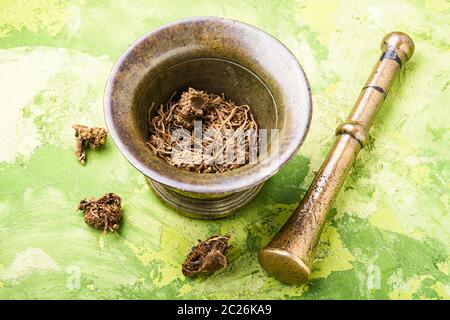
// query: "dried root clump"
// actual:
[[191, 106], [88, 137], [104, 213], [207, 257], [229, 122]]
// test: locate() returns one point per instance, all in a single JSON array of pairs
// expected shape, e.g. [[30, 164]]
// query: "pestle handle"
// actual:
[[289, 255]]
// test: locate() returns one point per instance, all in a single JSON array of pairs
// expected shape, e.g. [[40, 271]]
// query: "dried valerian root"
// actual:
[[191, 106], [229, 121], [88, 137], [104, 213], [207, 257]]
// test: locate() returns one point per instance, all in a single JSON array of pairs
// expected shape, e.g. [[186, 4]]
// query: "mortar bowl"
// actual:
[[219, 56]]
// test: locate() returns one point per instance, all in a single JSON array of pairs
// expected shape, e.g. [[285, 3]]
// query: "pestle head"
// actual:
[[284, 266], [400, 42]]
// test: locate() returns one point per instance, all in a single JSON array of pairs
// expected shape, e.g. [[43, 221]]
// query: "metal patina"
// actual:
[[218, 56]]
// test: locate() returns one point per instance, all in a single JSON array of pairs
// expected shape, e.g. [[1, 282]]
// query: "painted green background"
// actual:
[[388, 233]]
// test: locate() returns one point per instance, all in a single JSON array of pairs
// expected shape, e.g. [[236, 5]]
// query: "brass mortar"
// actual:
[[219, 56]]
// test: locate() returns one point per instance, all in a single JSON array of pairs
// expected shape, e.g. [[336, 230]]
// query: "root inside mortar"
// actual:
[[216, 134]]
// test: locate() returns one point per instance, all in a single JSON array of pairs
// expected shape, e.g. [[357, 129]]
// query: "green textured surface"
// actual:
[[388, 233]]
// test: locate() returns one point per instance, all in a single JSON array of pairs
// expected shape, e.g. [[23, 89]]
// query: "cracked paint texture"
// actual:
[[388, 233]]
